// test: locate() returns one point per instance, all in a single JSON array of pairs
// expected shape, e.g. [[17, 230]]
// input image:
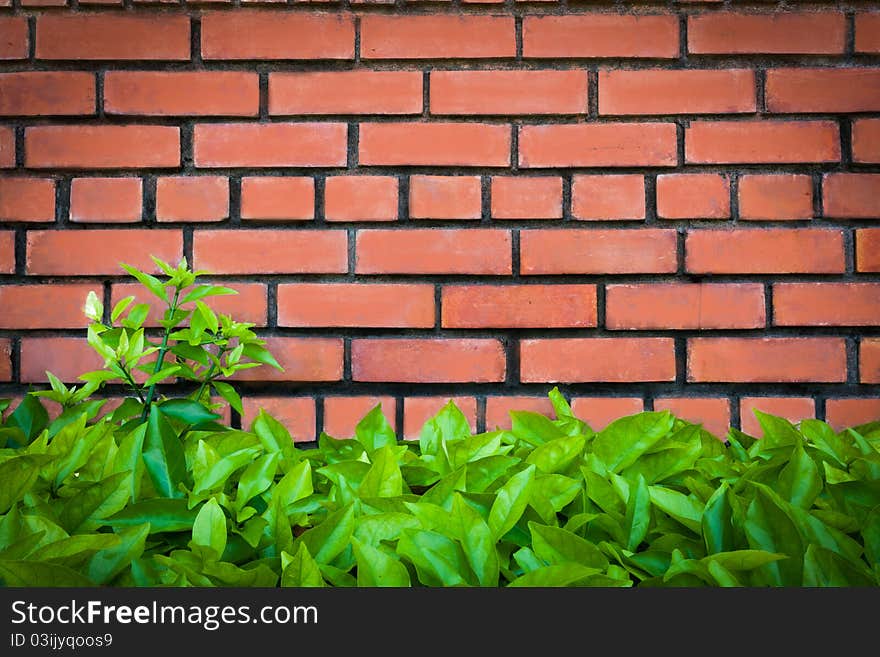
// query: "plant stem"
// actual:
[[132, 383], [210, 373], [163, 349]]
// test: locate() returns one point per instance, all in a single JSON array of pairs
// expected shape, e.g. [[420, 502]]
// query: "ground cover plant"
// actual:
[[160, 492]]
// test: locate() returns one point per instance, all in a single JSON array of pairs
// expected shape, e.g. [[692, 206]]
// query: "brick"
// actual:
[[445, 197], [693, 196], [113, 36], [5, 359], [765, 251], [826, 304], [276, 35], [428, 360], [498, 409], [793, 409], [47, 93], [434, 144], [111, 200], [66, 358], [868, 249], [270, 145], [572, 251], [296, 414], [851, 195], [844, 413], [418, 410], [825, 90], [711, 412], [867, 32], [192, 198], [360, 198], [27, 199], [764, 360], [13, 37], [434, 251], [600, 35], [788, 32], [277, 199], [102, 146], [345, 92], [45, 305], [508, 92], [518, 306], [684, 306], [646, 92], [437, 37], [599, 412], [866, 140], [303, 359], [774, 197], [342, 414], [99, 251], [271, 251], [869, 360], [7, 252], [7, 147], [608, 197], [761, 142], [392, 305], [526, 197], [598, 145], [614, 360], [182, 93]]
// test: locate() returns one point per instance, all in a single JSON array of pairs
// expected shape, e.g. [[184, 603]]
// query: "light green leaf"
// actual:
[[638, 514], [376, 567], [556, 545], [684, 509], [558, 454], [209, 528], [623, 441], [162, 514], [799, 481], [110, 562], [510, 502], [95, 502], [438, 559], [300, 570], [229, 394], [717, 521], [477, 540], [373, 431], [556, 575], [329, 538], [153, 284], [383, 479], [164, 457]]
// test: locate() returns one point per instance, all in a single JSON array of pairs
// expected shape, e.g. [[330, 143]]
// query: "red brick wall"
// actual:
[[652, 204]]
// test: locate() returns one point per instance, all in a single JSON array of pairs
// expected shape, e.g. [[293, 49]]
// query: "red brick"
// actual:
[[13, 37], [434, 144], [428, 360], [825, 90], [509, 92], [826, 304], [342, 414], [346, 92], [27, 199], [868, 249], [518, 306], [278, 198], [763, 360], [45, 93], [616, 360], [116, 200], [182, 93], [303, 359], [866, 140], [765, 251], [434, 251], [498, 409], [608, 197], [271, 251], [437, 37], [445, 197], [296, 414], [712, 412], [360, 198], [7, 148], [192, 198], [793, 409], [786, 32], [685, 306], [99, 251], [572, 251], [599, 412], [598, 145], [7, 252], [600, 35], [113, 36], [851, 195], [66, 358], [418, 410], [521, 197], [270, 144], [102, 146], [761, 142], [773, 197], [844, 413], [867, 32], [632, 92], [693, 196], [45, 305], [869, 360], [5, 359], [391, 305], [276, 35]]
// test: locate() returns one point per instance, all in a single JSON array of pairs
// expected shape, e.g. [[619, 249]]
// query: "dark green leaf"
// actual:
[[164, 456], [626, 439], [36, 574]]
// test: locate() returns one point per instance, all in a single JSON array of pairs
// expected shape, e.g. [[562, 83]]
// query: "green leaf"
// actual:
[[560, 404], [623, 441], [717, 521], [438, 559], [557, 546], [74, 550], [373, 529], [744, 559], [373, 431], [551, 493], [871, 535], [328, 539], [477, 540], [824, 568], [684, 509], [153, 284], [256, 479], [202, 291], [769, 528], [638, 514], [209, 528], [799, 481], [300, 570], [37, 574], [209, 317], [510, 502], [30, 417], [533, 428], [376, 567], [163, 515], [188, 411], [93, 308], [18, 474], [120, 307], [110, 562], [447, 425], [164, 456], [229, 394], [556, 575], [261, 355], [273, 436], [778, 432], [383, 479], [95, 502]]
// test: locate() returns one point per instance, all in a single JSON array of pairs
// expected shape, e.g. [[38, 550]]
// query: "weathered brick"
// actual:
[[518, 306], [711, 412], [434, 144], [599, 412], [393, 305], [270, 144], [445, 197], [360, 198], [764, 360], [618, 360], [600, 35], [45, 305], [868, 249], [272, 198], [608, 197], [27, 199], [342, 414], [426, 360], [47, 93], [192, 198], [434, 251], [851, 195], [101, 146], [598, 145], [99, 251], [418, 410], [693, 196], [826, 304], [789, 32], [437, 37], [825, 90], [572, 251], [509, 92], [772, 197], [526, 197], [256, 251], [761, 142], [296, 414], [110, 200], [182, 93], [345, 92]]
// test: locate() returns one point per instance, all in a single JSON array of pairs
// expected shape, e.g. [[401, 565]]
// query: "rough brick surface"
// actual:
[[110, 200]]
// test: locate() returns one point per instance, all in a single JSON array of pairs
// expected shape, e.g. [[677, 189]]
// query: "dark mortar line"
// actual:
[[481, 414], [515, 256], [733, 177], [319, 415], [402, 198], [398, 416], [107, 300], [438, 309], [19, 146], [592, 108], [32, 38], [818, 209], [849, 252], [601, 305], [514, 148], [769, 316], [567, 182], [426, 93], [187, 245], [149, 200], [320, 187], [99, 95], [820, 408], [681, 360], [681, 252], [512, 373], [518, 37], [485, 199], [186, 147], [352, 145], [683, 39], [235, 200], [351, 253], [651, 200], [263, 103], [15, 361], [272, 304], [760, 90], [20, 251], [62, 201], [357, 38], [680, 128], [846, 145], [850, 38], [195, 44], [735, 411], [346, 360], [852, 360]]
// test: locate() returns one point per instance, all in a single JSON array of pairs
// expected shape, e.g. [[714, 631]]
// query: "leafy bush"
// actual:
[[159, 493]]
